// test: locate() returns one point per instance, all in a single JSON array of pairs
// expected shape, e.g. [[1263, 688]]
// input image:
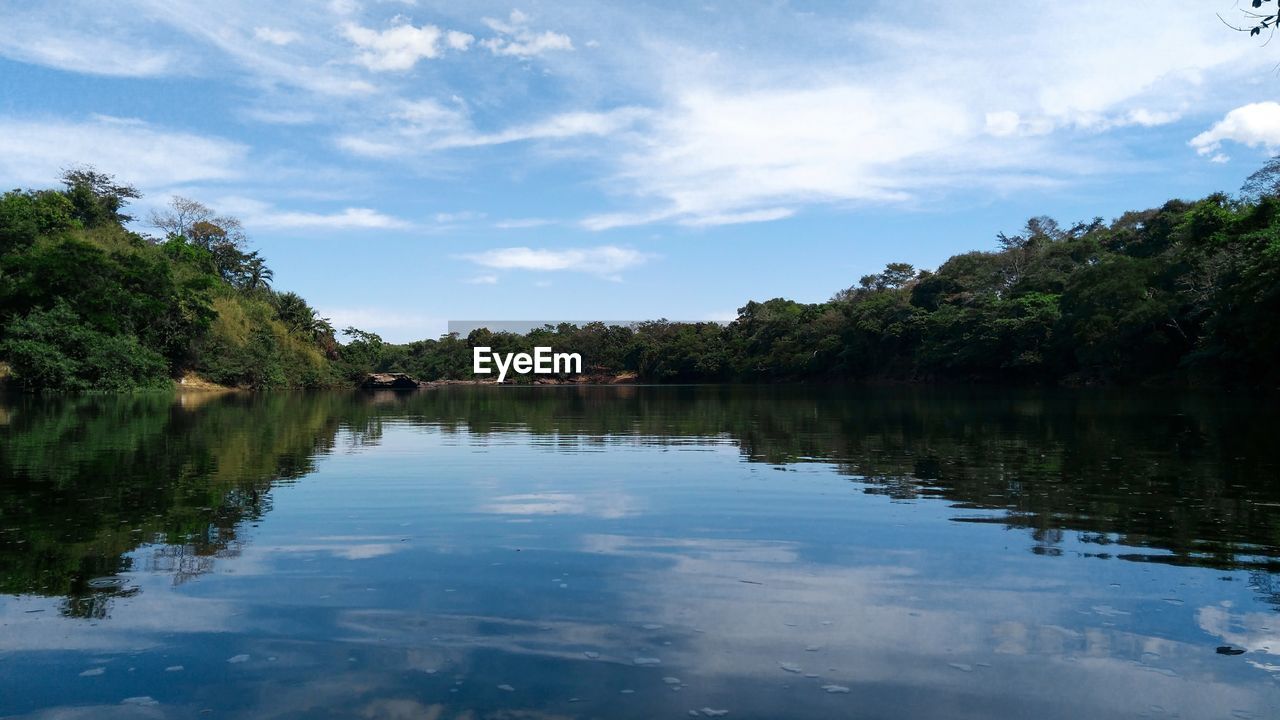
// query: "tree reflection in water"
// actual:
[[91, 485]]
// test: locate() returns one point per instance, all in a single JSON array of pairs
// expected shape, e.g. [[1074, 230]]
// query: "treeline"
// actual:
[[87, 304], [1188, 293]]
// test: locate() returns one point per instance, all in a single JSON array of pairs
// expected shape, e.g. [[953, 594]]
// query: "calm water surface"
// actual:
[[640, 553]]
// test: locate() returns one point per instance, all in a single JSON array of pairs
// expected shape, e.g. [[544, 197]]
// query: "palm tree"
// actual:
[[256, 274], [294, 312]]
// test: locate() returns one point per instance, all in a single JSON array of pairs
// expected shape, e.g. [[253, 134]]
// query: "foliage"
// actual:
[[87, 304], [1185, 293], [55, 348]]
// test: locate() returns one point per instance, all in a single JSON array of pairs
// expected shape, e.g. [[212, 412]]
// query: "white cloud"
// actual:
[[1254, 125], [424, 117], [458, 217], [605, 260], [401, 46], [877, 104], [923, 107], [563, 125], [257, 214], [717, 156], [368, 148], [275, 36], [515, 38], [483, 280], [33, 152], [522, 223], [1003, 124], [458, 40], [364, 218], [752, 216], [1151, 118], [88, 53], [344, 7], [428, 126], [608, 221]]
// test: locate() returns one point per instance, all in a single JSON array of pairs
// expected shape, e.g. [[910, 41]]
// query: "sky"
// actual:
[[401, 164]]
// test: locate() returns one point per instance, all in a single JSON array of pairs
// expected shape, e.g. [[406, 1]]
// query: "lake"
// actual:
[[641, 552]]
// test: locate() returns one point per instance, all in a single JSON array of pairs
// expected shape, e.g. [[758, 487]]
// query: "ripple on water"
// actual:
[[110, 582]]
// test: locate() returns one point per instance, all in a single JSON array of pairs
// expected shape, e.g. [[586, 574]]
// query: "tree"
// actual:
[[256, 275], [55, 350], [199, 224], [24, 216], [96, 197], [300, 317], [182, 214], [1264, 182], [363, 353]]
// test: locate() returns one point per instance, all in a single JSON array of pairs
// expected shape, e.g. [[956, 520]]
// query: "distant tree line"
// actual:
[[1188, 293]]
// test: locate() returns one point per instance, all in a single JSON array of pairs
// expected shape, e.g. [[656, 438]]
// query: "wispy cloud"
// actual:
[[426, 126], [751, 216], [930, 106], [516, 38], [522, 223], [605, 260], [43, 35], [34, 151], [461, 216], [763, 119], [257, 214], [275, 36], [90, 54]]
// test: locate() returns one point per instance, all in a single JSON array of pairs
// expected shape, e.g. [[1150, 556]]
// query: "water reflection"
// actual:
[[640, 552]]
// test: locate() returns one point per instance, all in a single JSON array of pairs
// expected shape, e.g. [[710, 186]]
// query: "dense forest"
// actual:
[[87, 304], [1188, 293]]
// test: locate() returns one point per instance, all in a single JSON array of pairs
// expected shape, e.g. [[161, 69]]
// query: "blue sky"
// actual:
[[404, 163]]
